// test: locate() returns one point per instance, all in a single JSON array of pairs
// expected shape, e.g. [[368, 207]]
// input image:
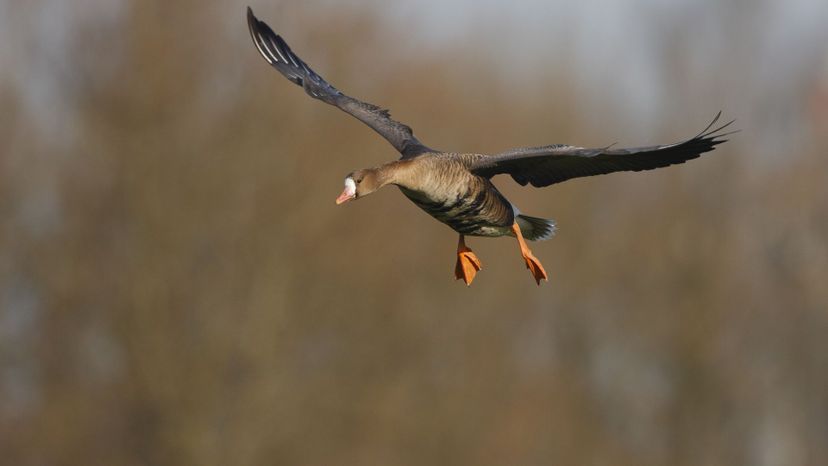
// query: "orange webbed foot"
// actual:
[[532, 262], [467, 265], [534, 266]]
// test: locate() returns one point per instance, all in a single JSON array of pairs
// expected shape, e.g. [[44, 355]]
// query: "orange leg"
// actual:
[[532, 262], [467, 263]]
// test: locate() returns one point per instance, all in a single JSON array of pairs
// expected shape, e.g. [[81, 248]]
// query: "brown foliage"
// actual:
[[178, 286]]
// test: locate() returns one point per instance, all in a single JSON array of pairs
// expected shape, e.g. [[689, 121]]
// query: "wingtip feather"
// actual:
[[710, 125], [275, 50]]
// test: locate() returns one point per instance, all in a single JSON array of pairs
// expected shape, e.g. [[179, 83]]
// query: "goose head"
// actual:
[[358, 184]]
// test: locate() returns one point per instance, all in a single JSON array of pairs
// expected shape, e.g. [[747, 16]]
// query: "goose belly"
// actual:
[[473, 215]]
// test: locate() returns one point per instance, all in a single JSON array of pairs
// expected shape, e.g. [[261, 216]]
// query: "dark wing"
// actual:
[[277, 53], [542, 166]]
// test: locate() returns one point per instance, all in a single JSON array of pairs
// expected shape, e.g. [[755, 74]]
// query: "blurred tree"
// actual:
[[177, 287]]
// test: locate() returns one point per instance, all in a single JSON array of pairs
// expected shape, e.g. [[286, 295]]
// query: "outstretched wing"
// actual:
[[546, 165], [277, 53]]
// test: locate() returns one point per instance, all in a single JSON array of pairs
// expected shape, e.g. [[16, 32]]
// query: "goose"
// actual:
[[456, 188]]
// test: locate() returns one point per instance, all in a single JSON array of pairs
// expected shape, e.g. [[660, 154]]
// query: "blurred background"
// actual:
[[177, 286]]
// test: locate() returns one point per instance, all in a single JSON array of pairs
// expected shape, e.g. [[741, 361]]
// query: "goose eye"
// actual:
[[359, 181]]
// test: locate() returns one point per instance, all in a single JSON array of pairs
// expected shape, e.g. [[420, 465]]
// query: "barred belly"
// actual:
[[473, 215]]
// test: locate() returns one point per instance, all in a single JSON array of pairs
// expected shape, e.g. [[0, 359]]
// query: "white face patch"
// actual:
[[350, 186]]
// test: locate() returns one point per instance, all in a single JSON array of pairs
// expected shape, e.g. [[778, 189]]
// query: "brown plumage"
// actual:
[[456, 188]]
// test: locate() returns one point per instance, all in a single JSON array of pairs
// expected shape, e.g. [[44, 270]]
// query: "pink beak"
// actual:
[[348, 193], [344, 197]]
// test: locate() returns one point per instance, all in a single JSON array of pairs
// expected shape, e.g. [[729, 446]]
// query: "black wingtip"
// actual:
[[278, 54], [261, 33], [252, 23], [708, 133], [717, 133], [704, 132]]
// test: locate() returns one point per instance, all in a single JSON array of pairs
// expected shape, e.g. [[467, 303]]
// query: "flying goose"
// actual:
[[456, 188]]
